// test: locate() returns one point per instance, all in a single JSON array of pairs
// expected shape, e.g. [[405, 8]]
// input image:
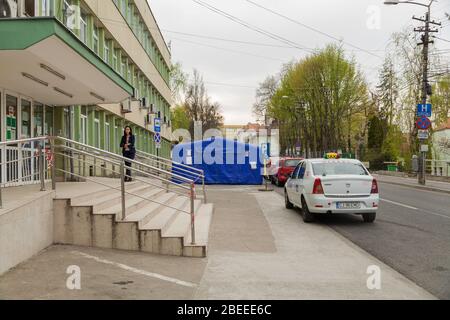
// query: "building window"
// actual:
[[96, 40], [115, 60], [107, 137], [84, 132], [67, 14], [83, 27], [45, 7], [106, 53], [97, 133]]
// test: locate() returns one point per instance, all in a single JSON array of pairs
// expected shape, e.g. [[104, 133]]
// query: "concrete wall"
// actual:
[[26, 231]]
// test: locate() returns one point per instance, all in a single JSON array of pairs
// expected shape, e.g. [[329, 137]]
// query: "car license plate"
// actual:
[[349, 205]]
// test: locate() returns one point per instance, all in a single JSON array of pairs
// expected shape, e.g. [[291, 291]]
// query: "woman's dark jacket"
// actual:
[[131, 146]]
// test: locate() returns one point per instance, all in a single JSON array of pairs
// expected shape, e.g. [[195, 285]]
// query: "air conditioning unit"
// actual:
[[126, 106], [148, 119], [8, 8], [143, 103]]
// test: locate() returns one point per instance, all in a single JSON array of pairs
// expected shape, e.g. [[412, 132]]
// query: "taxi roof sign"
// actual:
[[332, 155]]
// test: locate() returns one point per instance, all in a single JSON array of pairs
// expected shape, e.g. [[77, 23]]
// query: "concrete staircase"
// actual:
[[94, 219]]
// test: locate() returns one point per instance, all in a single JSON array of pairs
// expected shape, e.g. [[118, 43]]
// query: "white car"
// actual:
[[325, 186]]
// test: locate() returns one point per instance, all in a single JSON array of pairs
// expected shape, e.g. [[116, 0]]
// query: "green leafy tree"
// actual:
[[321, 102], [441, 100], [180, 119]]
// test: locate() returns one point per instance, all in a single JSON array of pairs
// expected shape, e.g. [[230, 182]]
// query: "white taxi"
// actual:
[[329, 186]]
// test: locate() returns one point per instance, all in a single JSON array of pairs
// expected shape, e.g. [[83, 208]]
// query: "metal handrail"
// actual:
[[127, 192], [40, 159], [162, 160], [200, 174], [118, 164], [107, 157], [113, 171], [121, 158]]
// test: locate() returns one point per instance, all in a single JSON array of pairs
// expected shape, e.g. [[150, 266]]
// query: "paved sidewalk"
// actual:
[[260, 250], [437, 186]]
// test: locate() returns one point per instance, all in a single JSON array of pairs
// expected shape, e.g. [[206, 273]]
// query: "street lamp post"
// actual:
[[425, 42]]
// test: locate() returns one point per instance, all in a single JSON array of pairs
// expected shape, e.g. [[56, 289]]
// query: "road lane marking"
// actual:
[[417, 209], [138, 271], [437, 214], [399, 204]]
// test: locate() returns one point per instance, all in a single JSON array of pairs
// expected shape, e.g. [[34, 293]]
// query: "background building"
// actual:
[[83, 69], [254, 134], [440, 165]]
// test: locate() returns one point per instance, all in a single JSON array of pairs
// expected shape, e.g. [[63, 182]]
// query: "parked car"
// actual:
[[285, 167], [325, 186]]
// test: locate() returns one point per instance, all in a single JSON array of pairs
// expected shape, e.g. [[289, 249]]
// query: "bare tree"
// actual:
[[198, 105], [264, 95]]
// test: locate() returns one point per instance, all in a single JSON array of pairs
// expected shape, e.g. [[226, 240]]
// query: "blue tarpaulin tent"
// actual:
[[223, 161]]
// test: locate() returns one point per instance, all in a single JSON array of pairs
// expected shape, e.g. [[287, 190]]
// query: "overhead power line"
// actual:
[[311, 28], [442, 39], [230, 50], [196, 35], [228, 40], [253, 28]]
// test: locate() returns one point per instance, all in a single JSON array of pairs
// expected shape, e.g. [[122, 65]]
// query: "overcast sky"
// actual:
[[232, 71]]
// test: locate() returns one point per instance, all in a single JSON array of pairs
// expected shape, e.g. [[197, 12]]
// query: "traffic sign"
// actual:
[[157, 139], [157, 125], [265, 149], [423, 135], [423, 123], [424, 110]]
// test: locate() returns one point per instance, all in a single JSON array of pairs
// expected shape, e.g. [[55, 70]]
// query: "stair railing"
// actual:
[[195, 174], [65, 155]]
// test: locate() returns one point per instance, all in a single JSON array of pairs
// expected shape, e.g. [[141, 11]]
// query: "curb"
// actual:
[[416, 187]]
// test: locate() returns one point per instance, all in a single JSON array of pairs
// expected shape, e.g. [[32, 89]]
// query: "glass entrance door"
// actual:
[[38, 120], [11, 118], [25, 116]]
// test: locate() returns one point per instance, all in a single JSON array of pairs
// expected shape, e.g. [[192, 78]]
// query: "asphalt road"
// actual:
[[411, 235]]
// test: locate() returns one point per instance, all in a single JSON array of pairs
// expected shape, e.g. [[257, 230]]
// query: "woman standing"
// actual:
[[128, 150]]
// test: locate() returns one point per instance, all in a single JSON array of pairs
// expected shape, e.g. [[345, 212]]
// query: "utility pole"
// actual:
[[426, 89]]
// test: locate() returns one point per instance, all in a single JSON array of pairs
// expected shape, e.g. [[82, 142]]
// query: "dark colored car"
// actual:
[[285, 168]]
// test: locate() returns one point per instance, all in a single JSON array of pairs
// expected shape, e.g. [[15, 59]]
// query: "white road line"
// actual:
[[413, 208], [138, 271], [399, 204], [437, 214]]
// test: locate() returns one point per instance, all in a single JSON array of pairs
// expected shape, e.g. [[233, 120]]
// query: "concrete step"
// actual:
[[97, 194], [133, 202], [158, 221], [147, 212], [171, 240], [202, 226], [178, 224], [99, 200], [117, 200]]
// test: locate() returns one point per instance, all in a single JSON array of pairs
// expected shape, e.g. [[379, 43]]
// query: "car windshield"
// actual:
[[291, 163], [338, 168]]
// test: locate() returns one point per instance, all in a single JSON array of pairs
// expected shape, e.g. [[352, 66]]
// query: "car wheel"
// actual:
[[278, 183], [288, 203], [306, 214], [369, 217]]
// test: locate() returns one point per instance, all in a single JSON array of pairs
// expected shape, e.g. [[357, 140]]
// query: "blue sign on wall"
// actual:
[[157, 125], [424, 110]]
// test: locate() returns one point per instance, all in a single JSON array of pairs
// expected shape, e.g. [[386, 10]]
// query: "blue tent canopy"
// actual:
[[223, 161]]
